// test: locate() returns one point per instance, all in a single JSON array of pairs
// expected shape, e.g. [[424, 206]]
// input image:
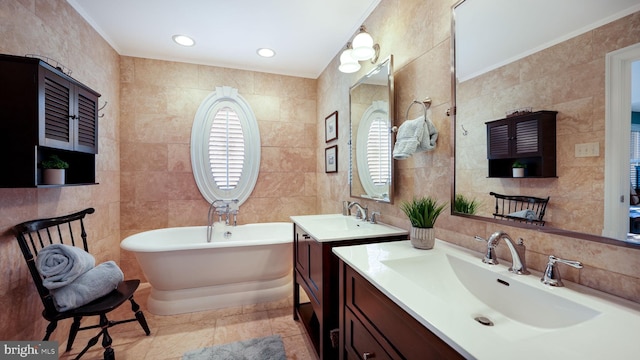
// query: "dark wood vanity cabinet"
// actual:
[[316, 272], [43, 112], [528, 138], [372, 326]]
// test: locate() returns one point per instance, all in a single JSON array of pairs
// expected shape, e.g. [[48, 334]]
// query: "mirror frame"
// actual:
[[542, 229], [388, 63]]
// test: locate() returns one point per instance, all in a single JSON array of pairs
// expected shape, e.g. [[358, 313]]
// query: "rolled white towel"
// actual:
[[91, 285], [60, 264]]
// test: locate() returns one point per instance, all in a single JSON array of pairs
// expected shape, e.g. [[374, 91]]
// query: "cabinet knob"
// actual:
[[368, 355]]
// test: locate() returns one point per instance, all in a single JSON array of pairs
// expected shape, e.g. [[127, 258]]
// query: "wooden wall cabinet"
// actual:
[[373, 327], [43, 112], [529, 138], [316, 272]]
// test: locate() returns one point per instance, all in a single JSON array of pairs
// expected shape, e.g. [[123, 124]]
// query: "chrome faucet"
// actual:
[[518, 265], [362, 212], [551, 275]]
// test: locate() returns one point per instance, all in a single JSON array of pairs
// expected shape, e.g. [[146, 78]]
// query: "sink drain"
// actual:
[[484, 321]]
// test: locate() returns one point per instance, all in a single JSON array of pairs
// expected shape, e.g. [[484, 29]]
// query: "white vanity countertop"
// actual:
[[611, 329], [334, 227]]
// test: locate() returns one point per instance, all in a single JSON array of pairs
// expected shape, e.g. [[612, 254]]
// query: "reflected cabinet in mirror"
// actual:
[[515, 60], [371, 110]]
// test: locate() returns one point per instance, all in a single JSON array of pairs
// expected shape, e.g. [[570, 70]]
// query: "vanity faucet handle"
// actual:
[[573, 263], [551, 274], [372, 217], [480, 238]]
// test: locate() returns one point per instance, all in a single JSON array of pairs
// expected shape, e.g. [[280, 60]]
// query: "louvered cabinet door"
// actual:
[[86, 122], [69, 115], [57, 112], [498, 144], [526, 139]]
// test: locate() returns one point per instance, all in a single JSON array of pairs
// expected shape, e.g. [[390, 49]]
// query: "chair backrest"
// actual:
[[508, 205], [33, 235]]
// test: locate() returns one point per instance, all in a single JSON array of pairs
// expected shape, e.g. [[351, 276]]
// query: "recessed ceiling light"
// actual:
[[264, 52], [183, 40]]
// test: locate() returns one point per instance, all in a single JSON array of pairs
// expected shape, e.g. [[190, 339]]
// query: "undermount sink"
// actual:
[[475, 288], [331, 227], [486, 312]]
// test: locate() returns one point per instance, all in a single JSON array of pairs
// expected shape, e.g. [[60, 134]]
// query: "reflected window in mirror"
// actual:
[[373, 151], [371, 106]]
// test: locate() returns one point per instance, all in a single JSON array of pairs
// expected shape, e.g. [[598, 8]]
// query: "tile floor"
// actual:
[[171, 336]]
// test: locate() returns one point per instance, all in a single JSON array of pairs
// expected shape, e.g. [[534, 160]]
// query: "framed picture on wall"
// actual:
[[331, 159], [331, 127]]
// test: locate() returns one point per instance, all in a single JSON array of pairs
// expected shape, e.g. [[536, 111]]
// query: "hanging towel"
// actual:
[[408, 138], [60, 264], [414, 136], [89, 286]]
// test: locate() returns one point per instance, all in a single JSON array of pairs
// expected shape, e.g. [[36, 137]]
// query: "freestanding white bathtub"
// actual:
[[187, 274]]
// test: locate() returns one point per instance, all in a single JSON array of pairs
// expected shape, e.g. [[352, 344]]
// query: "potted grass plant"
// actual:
[[422, 213], [464, 205], [53, 170]]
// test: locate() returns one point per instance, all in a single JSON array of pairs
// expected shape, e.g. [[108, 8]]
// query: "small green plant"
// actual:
[[54, 162], [422, 212], [518, 164], [465, 206]]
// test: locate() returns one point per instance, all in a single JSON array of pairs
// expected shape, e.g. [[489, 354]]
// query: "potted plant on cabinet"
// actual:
[[53, 170], [518, 169], [422, 213]]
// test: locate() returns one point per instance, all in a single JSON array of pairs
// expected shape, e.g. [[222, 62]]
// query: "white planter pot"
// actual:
[[518, 172], [53, 176], [422, 238]]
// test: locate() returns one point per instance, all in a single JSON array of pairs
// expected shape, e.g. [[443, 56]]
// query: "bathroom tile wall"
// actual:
[[53, 28], [159, 102], [417, 33]]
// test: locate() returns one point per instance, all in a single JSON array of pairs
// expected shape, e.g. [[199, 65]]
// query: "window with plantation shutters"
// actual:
[[378, 151], [226, 149], [225, 146], [373, 151]]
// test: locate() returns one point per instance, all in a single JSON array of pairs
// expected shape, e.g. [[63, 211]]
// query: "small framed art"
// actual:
[[331, 127], [331, 159]]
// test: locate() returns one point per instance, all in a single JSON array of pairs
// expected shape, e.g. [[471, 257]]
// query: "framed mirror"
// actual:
[[371, 119], [533, 55]]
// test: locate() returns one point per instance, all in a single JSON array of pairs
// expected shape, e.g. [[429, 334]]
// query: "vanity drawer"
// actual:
[[395, 327], [360, 343]]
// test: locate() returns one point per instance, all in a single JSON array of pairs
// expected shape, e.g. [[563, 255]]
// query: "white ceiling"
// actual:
[[305, 34]]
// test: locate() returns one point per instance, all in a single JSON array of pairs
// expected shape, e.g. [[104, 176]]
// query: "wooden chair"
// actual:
[[508, 205], [32, 236]]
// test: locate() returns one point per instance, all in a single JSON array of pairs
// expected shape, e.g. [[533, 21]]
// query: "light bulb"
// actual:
[[363, 46], [347, 63]]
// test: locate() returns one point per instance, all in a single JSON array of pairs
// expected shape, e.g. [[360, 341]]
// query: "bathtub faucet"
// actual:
[[224, 208]]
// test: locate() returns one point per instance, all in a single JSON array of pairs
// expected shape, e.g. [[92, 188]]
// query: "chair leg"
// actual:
[[106, 339], [140, 316], [52, 326], [73, 331]]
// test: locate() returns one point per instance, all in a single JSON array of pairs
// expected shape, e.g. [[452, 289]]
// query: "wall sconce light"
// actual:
[[361, 49]]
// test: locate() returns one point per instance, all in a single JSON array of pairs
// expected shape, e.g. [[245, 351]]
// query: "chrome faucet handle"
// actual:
[[551, 275], [372, 218], [490, 256]]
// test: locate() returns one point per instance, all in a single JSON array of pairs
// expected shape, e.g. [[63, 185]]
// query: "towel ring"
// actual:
[[426, 103]]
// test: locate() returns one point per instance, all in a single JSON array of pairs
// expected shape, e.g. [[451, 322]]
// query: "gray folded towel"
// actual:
[[60, 264], [525, 214], [89, 286]]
